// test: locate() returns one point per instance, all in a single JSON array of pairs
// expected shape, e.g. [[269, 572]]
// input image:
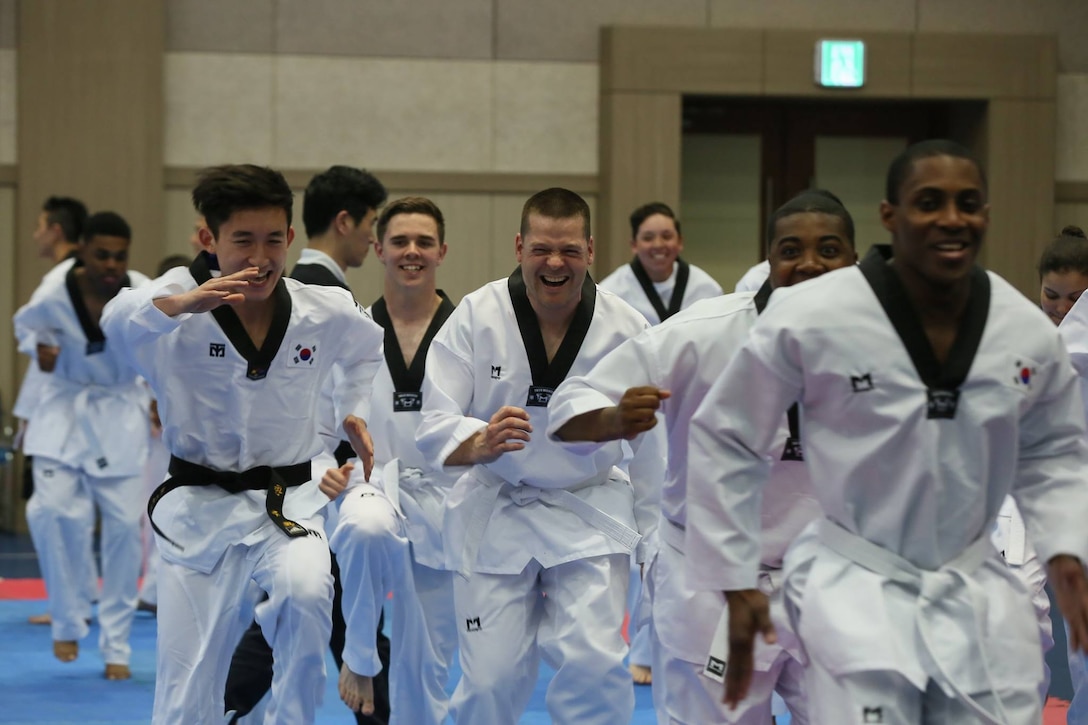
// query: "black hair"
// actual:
[[555, 203], [69, 213], [106, 224], [222, 190], [646, 211], [900, 167], [340, 188], [174, 260], [818, 201], [1066, 252], [412, 205]]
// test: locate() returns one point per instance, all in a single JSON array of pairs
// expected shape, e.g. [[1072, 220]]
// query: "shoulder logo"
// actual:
[[217, 349], [304, 355], [861, 383], [496, 372], [1023, 373]]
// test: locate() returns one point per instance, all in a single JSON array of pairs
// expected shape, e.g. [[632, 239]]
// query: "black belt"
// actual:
[[276, 480]]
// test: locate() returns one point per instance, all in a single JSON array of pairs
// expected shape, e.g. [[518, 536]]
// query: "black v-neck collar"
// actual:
[[95, 339], [547, 375], [257, 361], [409, 379], [889, 289], [683, 272], [763, 296]]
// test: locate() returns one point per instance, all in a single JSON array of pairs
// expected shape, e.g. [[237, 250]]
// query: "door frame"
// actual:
[[645, 72]]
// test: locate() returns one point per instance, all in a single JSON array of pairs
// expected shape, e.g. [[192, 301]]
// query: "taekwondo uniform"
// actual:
[[389, 538], [243, 510], [658, 301], [26, 402], [1074, 331], [685, 355], [539, 519], [899, 598], [88, 434], [754, 278]]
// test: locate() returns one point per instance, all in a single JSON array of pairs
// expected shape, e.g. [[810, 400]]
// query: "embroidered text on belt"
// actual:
[[275, 480], [931, 587], [488, 494]]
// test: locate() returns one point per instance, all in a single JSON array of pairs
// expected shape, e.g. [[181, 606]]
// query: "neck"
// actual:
[[935, 302], [61, 250], [411, 303], [256, 313], [658, 277], [556, 321], [327, 244]]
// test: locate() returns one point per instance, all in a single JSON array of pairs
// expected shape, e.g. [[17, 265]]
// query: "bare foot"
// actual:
[[641, 674], [44, 618], [356, 691], [65, 651], [118, 672]]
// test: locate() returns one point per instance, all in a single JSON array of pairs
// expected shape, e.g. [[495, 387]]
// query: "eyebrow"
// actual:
[[822, 238]]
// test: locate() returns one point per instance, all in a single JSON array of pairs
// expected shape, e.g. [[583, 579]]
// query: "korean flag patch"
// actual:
[[303, 355]]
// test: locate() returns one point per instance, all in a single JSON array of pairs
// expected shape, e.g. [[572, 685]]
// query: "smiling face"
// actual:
[[806, 245], [554, 256], [940, 221], [657, 245], [411, 251], [252, 238], [1058, 291]]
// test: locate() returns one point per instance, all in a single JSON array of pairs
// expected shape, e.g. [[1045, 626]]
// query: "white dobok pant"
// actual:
[[63, 503], [375, 557], [201, 618]]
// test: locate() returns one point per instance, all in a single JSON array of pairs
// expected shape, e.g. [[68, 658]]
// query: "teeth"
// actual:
[[555, 280], [411, 268], [952, 247]]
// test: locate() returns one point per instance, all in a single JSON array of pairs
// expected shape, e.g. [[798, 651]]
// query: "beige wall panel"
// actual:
[[180, 218], [826, 14], [687, 60], [8, 108], [790, 58], [90, 114], [568, 29], [1070, 213], [223, 26], [639, 163], [8, 303], [1020, 170], [8, 23], [1066, 19], [546, 117], [1072, 141], [380, 28], [398, 115], [219, 108], [965, 66]]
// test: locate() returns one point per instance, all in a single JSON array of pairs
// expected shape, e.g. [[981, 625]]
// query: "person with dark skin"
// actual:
[[928, 389]]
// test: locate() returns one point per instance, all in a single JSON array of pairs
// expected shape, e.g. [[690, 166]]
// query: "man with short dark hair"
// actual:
[[89, 435]]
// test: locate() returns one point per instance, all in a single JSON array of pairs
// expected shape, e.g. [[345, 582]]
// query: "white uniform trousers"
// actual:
[[158, 461], [64, 496], [572, 616], [202, 616], [890, 699], [685, 620], [375, 558], [638, 625], [1078, 675], [1033, 576], [41, 539]]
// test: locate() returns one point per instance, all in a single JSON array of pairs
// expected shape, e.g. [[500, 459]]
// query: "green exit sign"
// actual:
[[840, 63]]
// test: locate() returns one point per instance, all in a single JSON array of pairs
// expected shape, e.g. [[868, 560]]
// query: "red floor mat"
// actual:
[[22, 589]]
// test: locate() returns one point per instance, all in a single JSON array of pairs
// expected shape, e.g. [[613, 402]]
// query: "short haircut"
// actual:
[[819, 201], [1066, 252], [341, 188], [412, 205], [901, 166], [106, 224], [69, 213], [646, 211], [174, 260], [555, 203], [222, 190]]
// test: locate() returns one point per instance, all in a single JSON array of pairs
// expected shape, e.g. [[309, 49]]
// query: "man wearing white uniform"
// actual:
[[928, 390], [528, 518], [389, 533], [60, 224], [89, 436], [671, 366], [657, 282], [237, 391]]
